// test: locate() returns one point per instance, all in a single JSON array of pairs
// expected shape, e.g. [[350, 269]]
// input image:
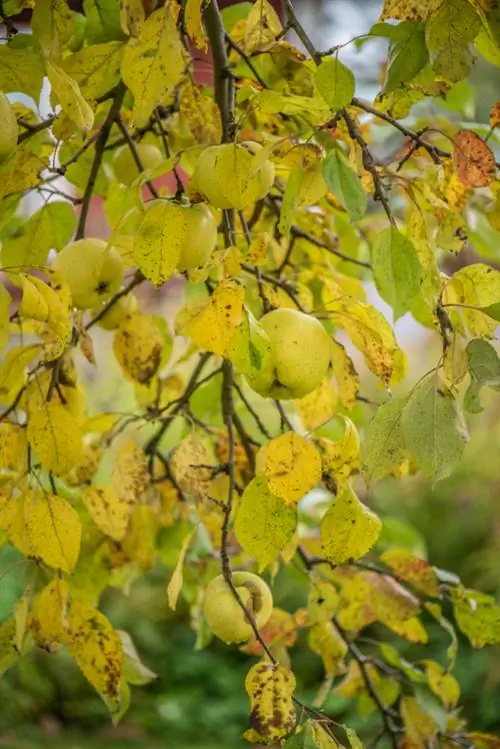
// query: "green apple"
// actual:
[[226, 176], [193, 228], [9, 129], [92, 269], [125, 167], [300, 348], [223, 613], [125, 306]]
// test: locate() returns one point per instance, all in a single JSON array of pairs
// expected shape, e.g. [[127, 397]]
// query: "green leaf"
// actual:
[[96, 69], [49, 228], [290, 198], [383, 449], [432, 429], [21, 70], [492, 310], [264, 524], [8, 651], [103, 21], [250, 347], [349, 529], [407, 57], [5, 301], [478, 617], [134, 671], [448, 33], [345, 184], [396, 270], [335, 82], [484, 369]]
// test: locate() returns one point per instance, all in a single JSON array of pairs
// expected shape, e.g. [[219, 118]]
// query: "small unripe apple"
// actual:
[[93, 271], [9, 129], [193, 228], [223, 613], [313, 186], [300, 348], [227, 178], [125, 306], [125, 167]]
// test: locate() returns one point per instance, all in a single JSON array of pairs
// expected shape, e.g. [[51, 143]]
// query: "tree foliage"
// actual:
[[265, 196]]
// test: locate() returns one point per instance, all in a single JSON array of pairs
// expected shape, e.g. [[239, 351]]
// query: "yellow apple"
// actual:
[[193, 228], [124, 166], [9, 129], [125, 306], [300, 348], [313, 186], [93, 271], [226, 176], [223, 613]]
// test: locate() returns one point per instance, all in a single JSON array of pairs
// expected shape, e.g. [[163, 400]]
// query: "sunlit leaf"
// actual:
[[349, 529], [270, 688], [291, 466]]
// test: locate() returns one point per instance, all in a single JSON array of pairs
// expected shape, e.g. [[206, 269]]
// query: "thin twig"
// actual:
[[135, 155]]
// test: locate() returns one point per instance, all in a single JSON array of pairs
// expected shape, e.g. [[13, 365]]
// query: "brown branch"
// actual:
[[246, 59], [294, 23], [135, 154], [33, 129]]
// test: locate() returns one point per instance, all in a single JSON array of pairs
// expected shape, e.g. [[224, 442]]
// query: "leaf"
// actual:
[[262, 26], [414, 10], [50, 227], [103, 21], [130, 477], [420, 726], [157, 249], [70, 98], [345, 375], [473, 160], [478, 617], [55, 436], [249, 349], [291, 466], [270, 688], [5, 300], [21, 172], [484, 740], [174, 586], [322, 601], [335, 82], [13, 371], [396, 270], [153, 64], [13, 448], [8, 650], [325, 640], [340, 458], [384, 448], [190, 466], [476, 286], [45, 527], [139, 543], [108, 511], [97, 650], [96, 69], [448, 33], [407, 55], [484, 369], [412, 569], [264, 525], [132, 16], [201, 113], [213, 324], [21, 70], [48, 622], [318, 407], [290, 200], [443, 684], [345, 184], [194, 23], [134, 671], [139, 347], [433, 429], [52, 26], [349, 529]]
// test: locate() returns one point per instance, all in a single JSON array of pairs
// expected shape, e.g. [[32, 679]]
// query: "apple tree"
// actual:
[[259, 191]]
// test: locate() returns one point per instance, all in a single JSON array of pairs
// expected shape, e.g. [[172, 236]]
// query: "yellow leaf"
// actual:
[[190, 466], [55, 436], [159, 241], [97, 650], [264, 524], [412, 630], [318, 407], [5, 301], [257, 251], [8, 651], [70, 98], [139, 347], [345, 374], [174, 586], [13, 448], [475, 286], [340, 459], [33, 305], [412, 569], [21, 172], [270, 688], [48, 621], [213, 326], [130, 477], [96, 68], [194, 23], [45, 527], [139, 543], [21, 611], [201, 114], [325, 641], [108, 510], [349, 529], [322, 601], [153, 64], [52, 25], [419, 725], [132, 16], [414, 10], [262, 27], [13, 371], [99, 424], [291, 466], [442, 683]]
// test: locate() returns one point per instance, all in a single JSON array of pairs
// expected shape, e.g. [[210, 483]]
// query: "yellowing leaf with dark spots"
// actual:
[[325, 640], [108, 510], [22, 171], [270, 688], [322, 601], [213, 324], [54, 434], [13, 448], [96, 68], [410, 568], [345, 374], [190, 465], [349, 529], [409, 10], [139, 347], [48, 622], [70, 98], [13, 371], [8, 650], [262, 26], [130, 477], [340, 458], [473, 159], [200, 112], [291, 466], [44, 527], [478, 617], [264, 525], [153, 64], [317, 407], [442, 683], [194, 23], [97, 650]]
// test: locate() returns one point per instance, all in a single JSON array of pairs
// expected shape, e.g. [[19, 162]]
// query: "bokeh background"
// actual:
[[198, 699]]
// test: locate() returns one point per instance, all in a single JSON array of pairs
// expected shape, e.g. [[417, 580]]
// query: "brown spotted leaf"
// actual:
[[270, 688], [473, 159]]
